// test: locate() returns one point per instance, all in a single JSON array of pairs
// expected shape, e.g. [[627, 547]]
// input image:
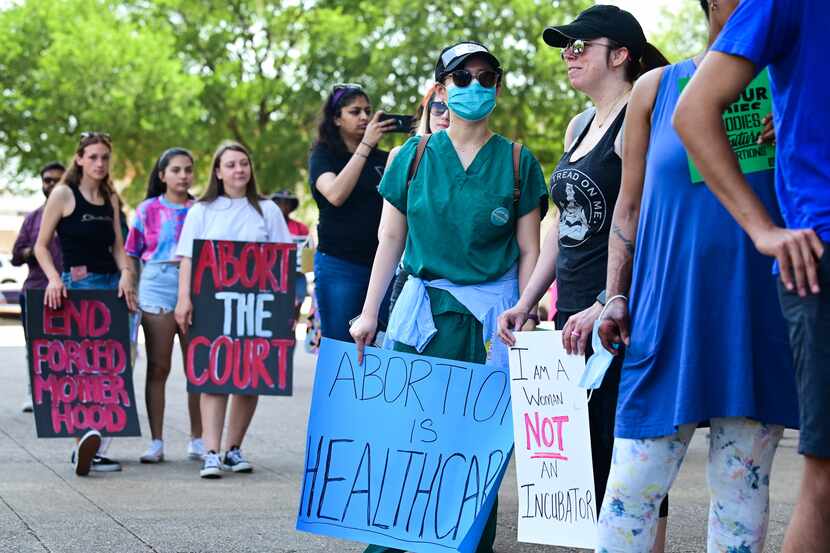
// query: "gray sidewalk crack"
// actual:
[[25, 524], [80, 493]]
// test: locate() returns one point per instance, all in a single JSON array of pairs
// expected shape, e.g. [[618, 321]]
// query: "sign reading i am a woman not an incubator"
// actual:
[[242, 337], [80, 366], [557, 504]]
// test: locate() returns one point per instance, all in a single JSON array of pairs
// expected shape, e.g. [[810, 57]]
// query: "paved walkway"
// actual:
[[167, 508]]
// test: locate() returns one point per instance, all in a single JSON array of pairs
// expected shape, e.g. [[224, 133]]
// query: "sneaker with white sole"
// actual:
[[195, 449], [84, 452], [104, 464], [154, 453], [27, 406], [211, 465], [236, 462]]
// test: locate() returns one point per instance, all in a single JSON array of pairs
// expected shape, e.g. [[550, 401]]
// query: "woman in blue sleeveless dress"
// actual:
[[706, 346]]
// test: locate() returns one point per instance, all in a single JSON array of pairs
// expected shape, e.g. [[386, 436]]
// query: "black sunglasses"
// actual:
[[50, 180], [486, 78], [95, 134], [437, 108]]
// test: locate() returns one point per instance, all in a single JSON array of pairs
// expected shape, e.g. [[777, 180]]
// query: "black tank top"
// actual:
[[585, 192], [87, 236]]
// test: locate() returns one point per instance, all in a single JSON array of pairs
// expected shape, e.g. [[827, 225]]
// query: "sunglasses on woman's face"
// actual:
[[437, 109], [486, 78], [576, 48]]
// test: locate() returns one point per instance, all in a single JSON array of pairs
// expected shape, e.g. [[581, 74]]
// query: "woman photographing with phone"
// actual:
[[469, 221], [345, 168]]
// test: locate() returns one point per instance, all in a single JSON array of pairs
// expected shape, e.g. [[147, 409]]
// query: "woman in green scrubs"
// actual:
[[467, 227]]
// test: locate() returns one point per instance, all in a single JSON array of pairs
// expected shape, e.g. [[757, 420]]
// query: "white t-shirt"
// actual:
[[232, 219]]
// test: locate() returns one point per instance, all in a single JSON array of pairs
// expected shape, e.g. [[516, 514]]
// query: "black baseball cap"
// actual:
[[600, 21], [453, 57], [286, 196]]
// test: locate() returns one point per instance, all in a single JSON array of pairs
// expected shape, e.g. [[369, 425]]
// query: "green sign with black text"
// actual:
[[744, 122]]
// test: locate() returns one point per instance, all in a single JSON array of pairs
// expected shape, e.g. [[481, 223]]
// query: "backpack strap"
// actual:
[[416, 161], [517, 178]]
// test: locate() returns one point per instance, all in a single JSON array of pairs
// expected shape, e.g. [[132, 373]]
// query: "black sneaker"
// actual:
[[236, 462], [104, 464], [84, 452]]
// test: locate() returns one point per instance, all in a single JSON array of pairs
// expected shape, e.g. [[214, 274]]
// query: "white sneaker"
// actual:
[[195, 449], [27, 406], [154, 453], [211, 466]]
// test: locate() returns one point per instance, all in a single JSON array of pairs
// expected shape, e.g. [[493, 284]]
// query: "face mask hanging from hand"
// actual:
[[472, 102], [598, 363]]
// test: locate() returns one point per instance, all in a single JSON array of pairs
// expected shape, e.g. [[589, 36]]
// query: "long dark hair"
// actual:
[[651, 58], [156, 186], [216, 187], [72, 177], [327, 132]]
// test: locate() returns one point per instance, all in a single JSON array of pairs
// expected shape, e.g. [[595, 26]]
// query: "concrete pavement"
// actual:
[[165, 508]]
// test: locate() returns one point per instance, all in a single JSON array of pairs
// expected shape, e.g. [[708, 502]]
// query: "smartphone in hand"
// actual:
[[403, 123]]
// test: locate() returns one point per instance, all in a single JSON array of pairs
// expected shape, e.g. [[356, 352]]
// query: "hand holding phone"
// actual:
[[403, 123]]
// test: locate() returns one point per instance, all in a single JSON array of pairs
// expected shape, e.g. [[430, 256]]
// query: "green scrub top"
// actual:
[[462, 224]]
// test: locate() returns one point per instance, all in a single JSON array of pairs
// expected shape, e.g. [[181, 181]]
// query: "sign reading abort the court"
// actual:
[[79, 365], [242, 337], [404, 450]]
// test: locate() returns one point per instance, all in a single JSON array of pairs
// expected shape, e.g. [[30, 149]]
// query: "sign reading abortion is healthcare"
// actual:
[[79, 365], [404, 451], [242, 337]]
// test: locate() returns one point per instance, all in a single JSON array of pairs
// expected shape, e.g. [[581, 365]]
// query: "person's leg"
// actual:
[[808, 321], [740, 460], [642, 471], [159, 331], [27, 406], [193, 398], [213, 407], [809, 529], [341, 289], [242, 411]]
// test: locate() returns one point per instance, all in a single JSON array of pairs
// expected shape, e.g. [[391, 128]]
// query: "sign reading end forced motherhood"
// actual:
[[557, 504], [404, 451], [242, 337], [79, 365]]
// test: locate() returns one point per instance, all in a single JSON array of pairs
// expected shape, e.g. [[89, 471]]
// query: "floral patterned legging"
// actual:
[[642, 471]]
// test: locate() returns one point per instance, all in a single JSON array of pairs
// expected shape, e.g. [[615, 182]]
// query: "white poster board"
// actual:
[[557, 502]]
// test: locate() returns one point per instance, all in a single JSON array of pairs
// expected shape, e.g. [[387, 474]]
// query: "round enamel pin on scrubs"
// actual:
[[499, 216]]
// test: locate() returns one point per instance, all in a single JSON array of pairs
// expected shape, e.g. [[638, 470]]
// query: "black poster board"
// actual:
[[242, 337], [80, 366]]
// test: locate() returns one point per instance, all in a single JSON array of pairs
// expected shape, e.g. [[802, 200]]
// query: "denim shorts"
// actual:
[[92, 281], [159, 288], [808, 320]]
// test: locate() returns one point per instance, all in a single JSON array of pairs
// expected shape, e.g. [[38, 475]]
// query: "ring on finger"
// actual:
[[576, 333]]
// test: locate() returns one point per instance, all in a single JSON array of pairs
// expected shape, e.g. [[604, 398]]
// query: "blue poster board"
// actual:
[[404, 451]]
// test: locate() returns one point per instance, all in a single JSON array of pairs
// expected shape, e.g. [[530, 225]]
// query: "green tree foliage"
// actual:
[[682, 32], [158, 73]]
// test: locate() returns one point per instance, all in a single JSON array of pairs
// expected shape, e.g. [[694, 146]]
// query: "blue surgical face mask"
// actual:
[[597, 364], [472, 102]]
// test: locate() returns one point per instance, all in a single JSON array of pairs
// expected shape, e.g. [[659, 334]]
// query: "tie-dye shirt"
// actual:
[[156, 229]]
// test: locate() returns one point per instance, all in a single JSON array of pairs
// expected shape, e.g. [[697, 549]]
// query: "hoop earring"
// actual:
[[713, 5]]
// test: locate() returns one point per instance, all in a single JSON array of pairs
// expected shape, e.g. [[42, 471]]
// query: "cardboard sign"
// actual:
[[242, 338], [557, 504], [404, 451], [743, 121], [80, 366]]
